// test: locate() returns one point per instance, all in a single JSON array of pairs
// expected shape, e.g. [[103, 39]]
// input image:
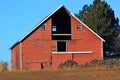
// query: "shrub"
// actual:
[[107, 63], [68, 63]]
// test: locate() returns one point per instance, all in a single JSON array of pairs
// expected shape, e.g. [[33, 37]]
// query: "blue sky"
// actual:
[[17, 17]]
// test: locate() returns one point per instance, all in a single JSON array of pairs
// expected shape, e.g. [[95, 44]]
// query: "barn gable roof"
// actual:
[[47, 17]]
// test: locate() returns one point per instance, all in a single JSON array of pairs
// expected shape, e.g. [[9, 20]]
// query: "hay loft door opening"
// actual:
[[61, 25]]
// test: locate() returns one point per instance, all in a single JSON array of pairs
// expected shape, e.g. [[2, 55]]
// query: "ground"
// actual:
[[76, 74]]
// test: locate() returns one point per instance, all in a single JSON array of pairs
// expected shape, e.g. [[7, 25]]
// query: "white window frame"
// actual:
[[79, 26]]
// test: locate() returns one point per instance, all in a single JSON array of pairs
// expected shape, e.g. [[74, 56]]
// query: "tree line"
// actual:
[[100, 17]]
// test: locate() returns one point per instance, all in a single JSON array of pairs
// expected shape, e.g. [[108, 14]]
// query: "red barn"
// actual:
[[58, 37]]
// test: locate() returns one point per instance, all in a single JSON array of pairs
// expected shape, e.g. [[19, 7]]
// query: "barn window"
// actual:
[[54, 29], [43, 27], [79, 26], [61, 46]]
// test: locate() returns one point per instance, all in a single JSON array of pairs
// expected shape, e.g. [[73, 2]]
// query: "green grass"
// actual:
[[76, 74]]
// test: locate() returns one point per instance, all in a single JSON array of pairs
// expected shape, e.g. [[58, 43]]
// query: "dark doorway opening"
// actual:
[[61, 46], [41, 64], [61, 24]]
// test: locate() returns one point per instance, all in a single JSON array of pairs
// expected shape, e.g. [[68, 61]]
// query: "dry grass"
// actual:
[[73, 74], [3, 66]]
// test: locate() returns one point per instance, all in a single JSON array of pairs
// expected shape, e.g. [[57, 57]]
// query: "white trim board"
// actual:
[[79, 52]]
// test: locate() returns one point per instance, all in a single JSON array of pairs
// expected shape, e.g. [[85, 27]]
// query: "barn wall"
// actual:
[[82, 40], [59, 58], [15, 57], [36, 48]]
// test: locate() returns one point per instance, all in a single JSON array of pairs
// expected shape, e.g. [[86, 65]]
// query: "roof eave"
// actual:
[[40, 23], [21, 39], [88, 28], [13, 45]]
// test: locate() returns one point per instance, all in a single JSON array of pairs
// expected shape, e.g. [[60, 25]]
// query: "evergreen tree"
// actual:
[[101, 19], [117, 45]]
